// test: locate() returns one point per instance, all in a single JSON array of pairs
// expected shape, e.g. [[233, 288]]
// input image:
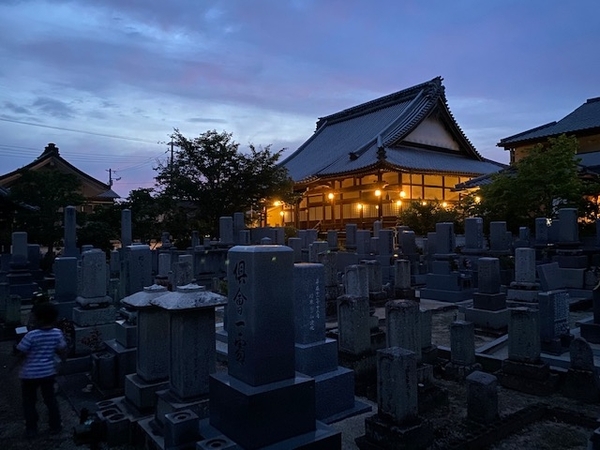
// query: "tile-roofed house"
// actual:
[[94, 191], [583, 123], [366, 161]]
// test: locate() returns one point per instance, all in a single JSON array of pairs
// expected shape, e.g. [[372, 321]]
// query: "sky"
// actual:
[[108, 81]]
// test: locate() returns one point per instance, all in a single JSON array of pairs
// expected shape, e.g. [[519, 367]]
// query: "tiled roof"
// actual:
[[348, 141], [586, 117]]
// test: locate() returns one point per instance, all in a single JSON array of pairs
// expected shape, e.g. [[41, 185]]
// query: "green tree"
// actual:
[[210, 177], [104, 224], [421, 217], [536, 186], [49, 191]]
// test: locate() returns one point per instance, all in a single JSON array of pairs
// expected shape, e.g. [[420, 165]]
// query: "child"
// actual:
[[38, 370]]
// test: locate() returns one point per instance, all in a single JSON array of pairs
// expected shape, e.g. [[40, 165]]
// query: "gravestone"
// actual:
[[428, 350], [295, 243], [65, 285], [524, 370], [462, 350], [474, 238], [402, 280], [350, 244], [590, 331], [524, 289], [554, 321], [136, 270], [226, 231], [489, 303], [70, 232], [445, 282], [152, 358], [403, 326], [541, 232], [499, 242], [375, 281], [316, 355], [19, 277], [261, 378], [482, 397], [126, 232], [332, 240], [396, 423], [581, 380], [192, 358]]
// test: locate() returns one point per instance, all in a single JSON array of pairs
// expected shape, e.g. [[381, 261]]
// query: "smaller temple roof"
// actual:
[[583, 119], [51, 158]]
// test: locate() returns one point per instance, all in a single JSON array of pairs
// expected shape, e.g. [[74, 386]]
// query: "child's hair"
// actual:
[[45, 313]]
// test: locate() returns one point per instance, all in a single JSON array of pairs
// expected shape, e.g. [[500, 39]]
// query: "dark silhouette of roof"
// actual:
[[585, 119], [373, 134]]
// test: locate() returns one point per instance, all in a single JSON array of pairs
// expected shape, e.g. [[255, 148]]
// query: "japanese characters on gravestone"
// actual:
[[403, 326], [316, 355], [261, 376], [474, 239]]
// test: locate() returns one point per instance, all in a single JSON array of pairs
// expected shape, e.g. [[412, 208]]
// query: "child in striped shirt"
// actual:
[[38, 370]]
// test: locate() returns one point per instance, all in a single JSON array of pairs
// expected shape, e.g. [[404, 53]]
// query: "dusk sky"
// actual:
[[109, 80]]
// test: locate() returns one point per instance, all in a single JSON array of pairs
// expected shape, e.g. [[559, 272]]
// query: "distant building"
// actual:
[[94, 191], [583, 123], [371, 160]]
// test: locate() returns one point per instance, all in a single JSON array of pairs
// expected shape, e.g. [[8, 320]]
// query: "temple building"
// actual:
[[94, 191], [369, 161]]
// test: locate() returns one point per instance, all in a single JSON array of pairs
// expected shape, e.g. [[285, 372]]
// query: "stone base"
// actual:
[[557, 346], [93, 302], [405, 294], [321, 438], [65, 309], [115, 414], [429, 355], [317, 357], [257, 416], [489, 302], [447, 296], [104, 332], [141, 393], [126, 334], [383, 434], [431, 397], [91, 317], [334, 394], [582, 385], [378, 298], [522, 295], [459, 371], [534, 379], [125, 360], [590, 332], [365, 371], [167, 403], [483, 318]]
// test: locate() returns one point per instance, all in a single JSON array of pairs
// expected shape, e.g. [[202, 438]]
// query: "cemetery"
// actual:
[[367, 338]]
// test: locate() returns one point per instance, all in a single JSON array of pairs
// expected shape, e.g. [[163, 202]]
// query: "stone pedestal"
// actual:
[[251, 403]]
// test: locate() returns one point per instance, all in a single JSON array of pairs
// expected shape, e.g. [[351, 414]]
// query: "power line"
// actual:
[[112, 136]]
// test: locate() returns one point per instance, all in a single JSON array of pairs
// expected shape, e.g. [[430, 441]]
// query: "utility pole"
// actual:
[[111, 180]]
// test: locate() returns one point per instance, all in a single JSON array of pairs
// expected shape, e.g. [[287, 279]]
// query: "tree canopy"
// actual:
[[210, 177], [536, 186], [49, 191]]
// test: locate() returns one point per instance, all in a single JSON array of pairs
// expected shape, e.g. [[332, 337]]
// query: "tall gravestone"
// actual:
[[261, 379], [524, 370], [70, 232], [19, 278], [192, 358], [446, 282], [396, 423], [553, 305], [489, 303], [525, 288], [316, 355]]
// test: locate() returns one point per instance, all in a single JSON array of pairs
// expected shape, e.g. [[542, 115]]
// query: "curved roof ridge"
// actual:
[[531, 130], [432, 85]]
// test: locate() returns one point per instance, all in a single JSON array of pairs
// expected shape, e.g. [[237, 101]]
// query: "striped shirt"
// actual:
[[39, 347]]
